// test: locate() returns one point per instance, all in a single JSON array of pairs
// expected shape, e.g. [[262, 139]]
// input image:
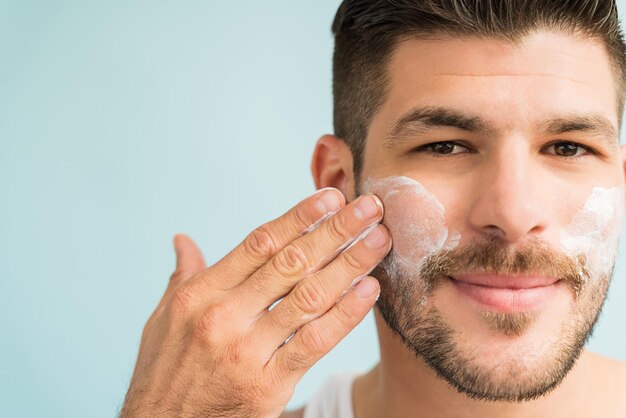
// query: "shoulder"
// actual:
[[293, 414], [610, 376], [332, 399], [611, 368]]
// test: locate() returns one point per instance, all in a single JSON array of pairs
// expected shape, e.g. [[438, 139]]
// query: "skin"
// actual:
[[213, 348], [488, 193]]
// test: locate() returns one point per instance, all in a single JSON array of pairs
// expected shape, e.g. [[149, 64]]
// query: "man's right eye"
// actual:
[[443, 148]]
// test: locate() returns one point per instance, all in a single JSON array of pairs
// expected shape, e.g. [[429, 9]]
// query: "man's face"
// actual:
[[504, 231]]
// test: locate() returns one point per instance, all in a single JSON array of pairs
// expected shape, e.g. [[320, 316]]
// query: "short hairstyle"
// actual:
[[366, 32]]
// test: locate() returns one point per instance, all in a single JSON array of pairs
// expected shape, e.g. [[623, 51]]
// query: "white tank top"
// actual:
[[333, 399]]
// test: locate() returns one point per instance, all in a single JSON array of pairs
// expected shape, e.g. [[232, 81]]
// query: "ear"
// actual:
[[331, 165]]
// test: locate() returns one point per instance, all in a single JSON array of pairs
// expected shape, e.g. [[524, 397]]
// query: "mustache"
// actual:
[[494, 256]]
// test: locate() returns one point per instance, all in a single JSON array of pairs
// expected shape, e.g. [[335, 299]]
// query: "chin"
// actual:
[[495, 354], [493, 365]]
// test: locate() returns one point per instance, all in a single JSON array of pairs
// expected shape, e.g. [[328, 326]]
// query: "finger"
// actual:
[[189, 262], [318, 293], [318, 337], [189, 259], [261, 245], [307, 254]]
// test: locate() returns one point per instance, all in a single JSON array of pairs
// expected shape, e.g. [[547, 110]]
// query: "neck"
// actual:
[[403, 385]]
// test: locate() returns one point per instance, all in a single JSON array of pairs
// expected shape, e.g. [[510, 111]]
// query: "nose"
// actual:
[[508, 202]]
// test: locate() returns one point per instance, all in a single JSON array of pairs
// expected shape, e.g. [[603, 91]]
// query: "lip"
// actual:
[[505, 293], [520, 281]]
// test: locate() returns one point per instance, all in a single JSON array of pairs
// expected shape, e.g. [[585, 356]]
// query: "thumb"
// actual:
[[189, 260]]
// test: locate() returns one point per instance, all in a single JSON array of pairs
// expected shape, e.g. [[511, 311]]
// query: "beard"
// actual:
[[423, 328]]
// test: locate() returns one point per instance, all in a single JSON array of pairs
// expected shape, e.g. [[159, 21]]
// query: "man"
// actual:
[[481, 137]]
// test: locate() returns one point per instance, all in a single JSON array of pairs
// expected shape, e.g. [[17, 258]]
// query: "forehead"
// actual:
[[510, 85]]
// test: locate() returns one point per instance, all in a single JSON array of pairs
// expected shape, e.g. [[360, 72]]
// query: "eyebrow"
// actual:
[[425, 118]]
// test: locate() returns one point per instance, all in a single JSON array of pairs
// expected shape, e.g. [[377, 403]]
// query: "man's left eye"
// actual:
[[568, 149]]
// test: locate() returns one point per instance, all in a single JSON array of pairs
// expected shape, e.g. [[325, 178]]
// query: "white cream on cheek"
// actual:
[[594, 231], [415, 219]]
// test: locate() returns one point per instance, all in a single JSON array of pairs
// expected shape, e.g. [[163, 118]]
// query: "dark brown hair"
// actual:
[[366, 32]]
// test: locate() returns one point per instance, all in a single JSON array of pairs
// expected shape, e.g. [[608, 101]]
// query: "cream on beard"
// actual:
[[416, 221], [594, 231]]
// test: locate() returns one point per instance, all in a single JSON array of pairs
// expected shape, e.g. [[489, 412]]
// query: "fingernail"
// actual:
[[366, 208], [365, 288], [327, 202], [375, 239]]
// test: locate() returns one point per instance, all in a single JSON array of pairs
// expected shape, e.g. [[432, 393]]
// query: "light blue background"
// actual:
[[123, 123]]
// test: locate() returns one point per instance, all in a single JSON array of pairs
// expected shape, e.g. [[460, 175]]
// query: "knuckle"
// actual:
[[183, 298], [308, 299], [290, 261], [313, 340], [352, 262], [261, 243], [210, 325], [300, 219], [339, 227], [345, 315]]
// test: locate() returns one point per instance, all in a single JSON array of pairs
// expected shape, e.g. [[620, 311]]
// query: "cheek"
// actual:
[[414, 217], [594, 231], [416, 223]]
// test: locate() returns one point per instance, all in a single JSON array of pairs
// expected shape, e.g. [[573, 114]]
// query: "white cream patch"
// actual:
[[415, 219], [594, 232]]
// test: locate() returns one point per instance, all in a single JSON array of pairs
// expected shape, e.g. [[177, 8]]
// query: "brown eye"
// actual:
[[569, 149], [566, 150], [443, 148]]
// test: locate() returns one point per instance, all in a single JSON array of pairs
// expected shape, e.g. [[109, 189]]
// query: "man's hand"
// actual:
[[214, 348]]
